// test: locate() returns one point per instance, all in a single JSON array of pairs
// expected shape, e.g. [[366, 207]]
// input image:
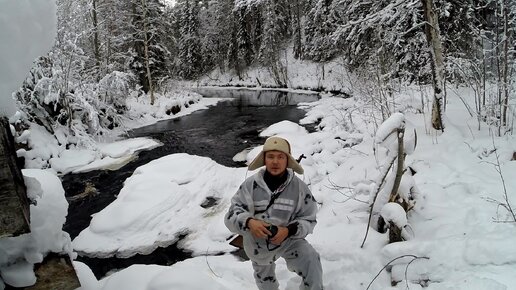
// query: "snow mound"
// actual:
[[161, 201], [199, 273], [19, 254], [283, 127]]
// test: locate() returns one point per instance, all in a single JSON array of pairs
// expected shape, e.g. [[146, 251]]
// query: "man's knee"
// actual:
[[301, 249], [305, 261], [265, 276]]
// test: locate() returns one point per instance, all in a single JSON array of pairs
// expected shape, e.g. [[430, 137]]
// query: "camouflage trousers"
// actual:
[[302, 259]]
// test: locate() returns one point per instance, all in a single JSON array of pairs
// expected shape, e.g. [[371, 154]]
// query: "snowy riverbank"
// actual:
[[452, 222]]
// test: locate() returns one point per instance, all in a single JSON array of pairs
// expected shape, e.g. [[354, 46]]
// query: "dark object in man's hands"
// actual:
[[273, 229]]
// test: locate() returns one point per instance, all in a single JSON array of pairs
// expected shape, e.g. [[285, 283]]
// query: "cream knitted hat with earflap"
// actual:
[[277, 144]]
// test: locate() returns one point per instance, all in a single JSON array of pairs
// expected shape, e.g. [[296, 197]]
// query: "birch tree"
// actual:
[[433, 37]]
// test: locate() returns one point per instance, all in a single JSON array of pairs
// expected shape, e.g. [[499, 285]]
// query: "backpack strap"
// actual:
[[271, 202]]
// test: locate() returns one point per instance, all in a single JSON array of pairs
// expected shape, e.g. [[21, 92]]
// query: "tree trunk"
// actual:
[[505, 64], [434, 42], [394, 233], [394, 230], [400, 165], [110, 32], [146, 47], [96, 38], [14, 204], [298, 46], [498, 65]]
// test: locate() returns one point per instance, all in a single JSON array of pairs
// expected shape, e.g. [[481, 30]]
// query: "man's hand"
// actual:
[[258, 228], [280, 236]]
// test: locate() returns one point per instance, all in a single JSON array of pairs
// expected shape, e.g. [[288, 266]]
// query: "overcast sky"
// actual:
[[27, 30]]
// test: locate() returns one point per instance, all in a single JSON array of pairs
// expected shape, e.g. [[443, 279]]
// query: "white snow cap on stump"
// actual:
[[393, 212]]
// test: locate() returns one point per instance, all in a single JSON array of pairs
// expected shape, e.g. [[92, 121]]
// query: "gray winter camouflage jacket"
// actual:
[[295, 204]]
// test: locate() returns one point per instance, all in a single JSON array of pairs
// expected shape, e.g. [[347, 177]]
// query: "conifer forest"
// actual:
[[106, 49]]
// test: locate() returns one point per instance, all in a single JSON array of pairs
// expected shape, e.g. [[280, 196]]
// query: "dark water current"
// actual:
[[219, 132]]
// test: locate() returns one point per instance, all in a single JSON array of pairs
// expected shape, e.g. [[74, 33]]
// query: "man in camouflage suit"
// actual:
[[274, 211]]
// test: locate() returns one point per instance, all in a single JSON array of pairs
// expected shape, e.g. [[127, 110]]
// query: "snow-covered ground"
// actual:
[[459, 228], [458, 232], [459, 235]]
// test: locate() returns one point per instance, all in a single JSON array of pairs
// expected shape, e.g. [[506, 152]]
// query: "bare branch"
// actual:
[[406, 269], [378, 187], [498, 168], [206, 257], [391, 261], [338, 188]]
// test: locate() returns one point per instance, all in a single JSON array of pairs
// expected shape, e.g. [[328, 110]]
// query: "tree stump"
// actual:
[[394, 233], [56, 272]]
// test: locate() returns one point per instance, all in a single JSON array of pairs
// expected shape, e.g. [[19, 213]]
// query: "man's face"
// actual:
[[275, 162]]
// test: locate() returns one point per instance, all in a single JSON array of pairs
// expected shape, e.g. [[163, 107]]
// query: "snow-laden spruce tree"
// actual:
[[320, 23], [149, 56], [241, 51]]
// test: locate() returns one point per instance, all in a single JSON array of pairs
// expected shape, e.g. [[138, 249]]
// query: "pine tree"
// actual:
[[215, 38], [242, 41], [298, 10], [189, 46], [274, 33], [148, 55], [116, 35], [319, 28]]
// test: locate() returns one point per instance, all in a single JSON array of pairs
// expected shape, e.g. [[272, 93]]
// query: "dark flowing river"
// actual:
[[219, 133]]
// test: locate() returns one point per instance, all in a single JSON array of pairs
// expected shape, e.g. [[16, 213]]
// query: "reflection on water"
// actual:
[[258, 98]]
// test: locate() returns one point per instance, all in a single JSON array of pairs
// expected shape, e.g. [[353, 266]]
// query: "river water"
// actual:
[[219, 132]]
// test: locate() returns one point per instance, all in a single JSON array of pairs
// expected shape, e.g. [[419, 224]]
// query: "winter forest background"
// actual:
[[107, 50]]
